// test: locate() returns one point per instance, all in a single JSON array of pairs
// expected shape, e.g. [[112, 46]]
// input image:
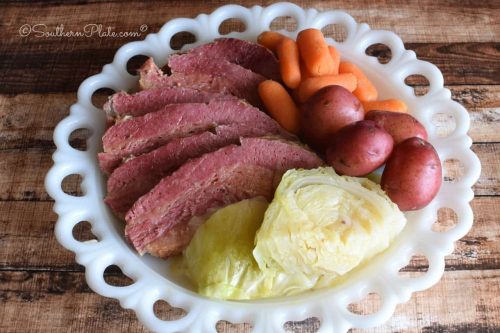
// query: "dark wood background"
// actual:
[[42, 289]]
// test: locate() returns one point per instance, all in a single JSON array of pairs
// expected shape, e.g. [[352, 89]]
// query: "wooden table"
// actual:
[[42, 289]]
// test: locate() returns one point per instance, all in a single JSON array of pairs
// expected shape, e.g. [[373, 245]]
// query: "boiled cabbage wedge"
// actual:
[[321, 225], [318, 227]]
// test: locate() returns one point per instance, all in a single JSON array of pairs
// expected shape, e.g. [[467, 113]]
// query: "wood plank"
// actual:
[[27, 120], [59, 302], [29, 242], [27, 238], [483, 104], [26, 141], [463, 301], [22, 173], [489, 181], [58, 70], [459, 62], [442, 22], [466, 56]]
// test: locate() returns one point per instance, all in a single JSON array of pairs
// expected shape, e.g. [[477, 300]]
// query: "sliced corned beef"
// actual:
[[208, 75], [142, 134], [137, 176], [216, 179], [123, 104], [151, 76], [249, 55]]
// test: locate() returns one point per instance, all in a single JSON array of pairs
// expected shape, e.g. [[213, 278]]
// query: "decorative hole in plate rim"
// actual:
[[152, 280]]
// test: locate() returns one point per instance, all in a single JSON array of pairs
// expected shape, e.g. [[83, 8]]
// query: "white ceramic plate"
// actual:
[[153, 280]]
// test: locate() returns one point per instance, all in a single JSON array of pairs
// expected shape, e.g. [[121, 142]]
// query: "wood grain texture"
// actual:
[[442, 21], [22, 173], [469, 302], [459, 64], [476, 61], [20, 128], [34, 222], [43, 289]]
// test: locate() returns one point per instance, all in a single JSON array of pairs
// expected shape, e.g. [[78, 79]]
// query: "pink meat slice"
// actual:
[[137, 176], [211, 75], [142, 134], [214, 180], [123, 104], [249, 55]]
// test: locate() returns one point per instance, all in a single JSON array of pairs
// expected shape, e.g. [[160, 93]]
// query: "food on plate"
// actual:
[[318, 227], [365, 90], [335, 54], [122, 104], [288, 56], [412, 175], [193, 160], [270, 40], [392, 105], [400, 126], [280, 105], [314, 52], [141, 135], [321, 225], [214, 180], [327, 111], [219, 259], [359, 148], [228, 65], [137, 176], [245, 54], [311, 85], [221, 77]]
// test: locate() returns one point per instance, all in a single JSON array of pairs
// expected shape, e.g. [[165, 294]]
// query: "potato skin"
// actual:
[[359, 148], [412, 175], [327, 111], [400, 125]]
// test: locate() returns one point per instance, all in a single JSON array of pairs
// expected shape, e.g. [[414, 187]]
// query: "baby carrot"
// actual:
[[314, 51], [365, 91], [336, 59], [311, 85], [280, 105], [288, 55], [303, 70], [394, 105], [270, 39]]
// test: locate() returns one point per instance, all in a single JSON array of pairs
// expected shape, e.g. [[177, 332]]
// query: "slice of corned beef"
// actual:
[[151, 76], [209, 75], [214, 180], [123, 104], [137, 176], [249, 55], [142, 134]]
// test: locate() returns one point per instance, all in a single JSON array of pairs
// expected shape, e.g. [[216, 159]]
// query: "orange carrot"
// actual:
[[336, 59], [303, 70], [310, 86], [280, 105], [270, 39], [288, 55], [394, 105], [314, 51], [365, 91]]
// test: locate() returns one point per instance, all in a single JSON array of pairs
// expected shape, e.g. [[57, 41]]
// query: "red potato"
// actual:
[[400, 125], [412, 175], [327, 111], [359, 148]]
